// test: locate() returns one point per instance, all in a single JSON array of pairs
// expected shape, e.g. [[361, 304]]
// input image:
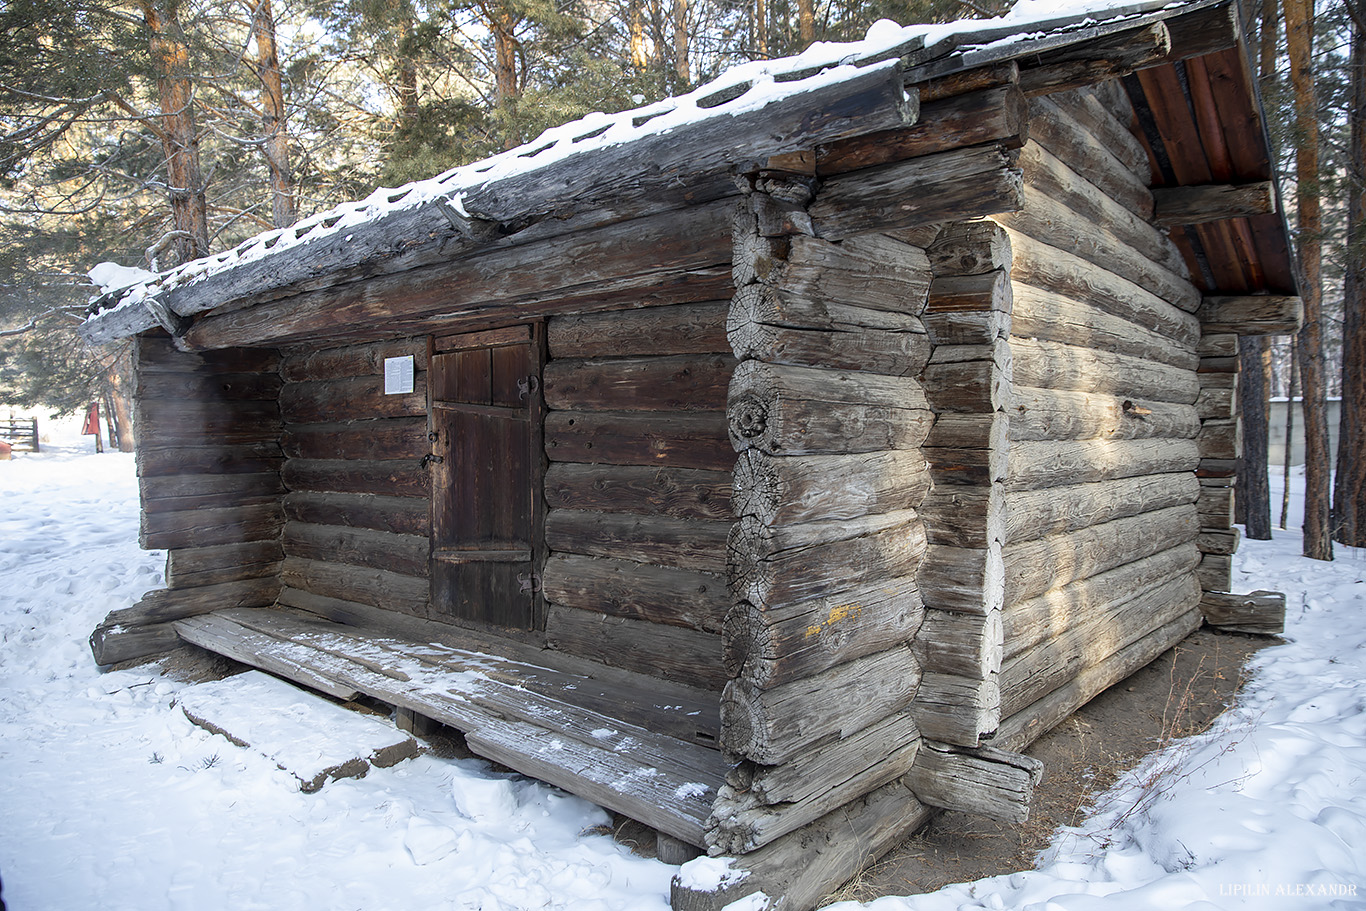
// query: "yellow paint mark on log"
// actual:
[[837, 614]]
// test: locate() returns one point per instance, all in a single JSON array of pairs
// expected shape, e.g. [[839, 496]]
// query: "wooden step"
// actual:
[[568, 729]]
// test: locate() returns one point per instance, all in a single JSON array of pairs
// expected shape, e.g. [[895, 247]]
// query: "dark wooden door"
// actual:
[[485, 415]]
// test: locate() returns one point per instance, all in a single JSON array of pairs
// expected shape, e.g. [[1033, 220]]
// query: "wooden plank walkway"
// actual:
[[583, 733]]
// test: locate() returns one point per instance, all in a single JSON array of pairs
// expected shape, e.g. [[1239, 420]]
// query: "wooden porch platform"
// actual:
[[580, 727]]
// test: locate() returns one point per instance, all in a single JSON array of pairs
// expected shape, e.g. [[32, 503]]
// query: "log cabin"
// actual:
[[771, 464]]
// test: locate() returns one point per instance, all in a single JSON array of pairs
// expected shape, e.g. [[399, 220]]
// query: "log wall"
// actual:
[[1107, 422], [356, 511], [208, 463]]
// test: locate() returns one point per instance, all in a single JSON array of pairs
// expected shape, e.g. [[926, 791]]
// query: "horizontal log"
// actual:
[[1055, 317], [1046, 464], [1261, 314], [332, 363], [1218, 540], [952, 468], [1215, 505], [158, 354], [670, 652], [398, 515], [970, 293], [957, 710], [1261, 613], [798, 410], [963, 515], [173, 422], [163, 605], [871, 271], [771, 647], [697, 544], [1218, 344], [1212, 202], [353, 398], [205, 527], [1111, 130], [698, 328], [208, 387], [1039, 414], [404, 478], [406, 554], [395, 438], [674, 440], [684, 493], [1054, 128], [967, 327], [952, 430], [118, 643], [958, 184], [624, 588], [965, 579], [236, 458], [1215, 572], [1034, 567], [375, 587], [1221, 439], [1097, 60], [1216, 404], [675, 383], [771, 726], [973, 387], [969, 248], [983, 781], [780, 328], [967, 645], [1068, 507], [194, 567], [174, 493], [787, 564], [794, 489], [1053, 365]]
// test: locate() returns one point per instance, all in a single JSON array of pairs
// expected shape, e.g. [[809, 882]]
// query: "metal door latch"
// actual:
[[430, 459], [529, 583]]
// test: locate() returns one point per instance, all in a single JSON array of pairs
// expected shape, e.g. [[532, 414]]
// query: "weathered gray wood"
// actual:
[[769, 325], [1260, 612], [1098, 59], [1060, 414], [395, 438], [162, 605], [405, 478], [958, 184], [785, 564], [175, 493], [397, 515], [966, 579], [406, 554], [977, 292], [1212, 202], [872, 271], [1265, 314], [974, 387], [983, 781], [116, 643], [966, 645], [198, 566], [1218, 540], [1215, 403], [311, 363], [953, 430], [696, 544], [771, 726], [959, 710], [799, 410], [967, 327], [963, 515], [684, 493], [206, 527], [674, 851], [623, 588], [1034, 567], [794, 489], [681, 329], [676, 383], [1215, 505], [1044, 314], [966, 467], [240, 643], [375, 587], [188, 458], [1053, 127], [672, 652], [1054, 365], [1049, 510], [969, 248], [1221, 439], [1215, 572], [1110, 129], [1044, 464], [1218, 344], [775, 646], [1152, 579], [666, 439]]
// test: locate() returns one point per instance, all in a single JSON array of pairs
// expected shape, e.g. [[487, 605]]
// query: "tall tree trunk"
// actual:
[[1252, 492], [1291, 395], [1299, 32], [806, 21], [118, 399], [761, 28], [179, 139], [1349, 484], [274, 116], [636, 13], [682, 71]]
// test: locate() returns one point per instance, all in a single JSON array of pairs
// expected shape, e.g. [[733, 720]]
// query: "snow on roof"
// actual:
[[741, 89]]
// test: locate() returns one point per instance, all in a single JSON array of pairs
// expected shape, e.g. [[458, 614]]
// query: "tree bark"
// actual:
[[1299, 24], [806, 21], [179, 139], [1252, 491], [1349, 494], [761, 29], [636, 16], [274, 116], [118, 386], [682, 70]]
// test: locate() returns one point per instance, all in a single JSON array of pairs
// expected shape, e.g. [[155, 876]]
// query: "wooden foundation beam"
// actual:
[[1260, 612]]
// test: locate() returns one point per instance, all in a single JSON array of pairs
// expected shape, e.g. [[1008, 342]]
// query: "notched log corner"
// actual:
[[1261, 613], [983, 781]]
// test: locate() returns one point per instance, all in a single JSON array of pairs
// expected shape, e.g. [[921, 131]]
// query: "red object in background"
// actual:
[[92, 419]]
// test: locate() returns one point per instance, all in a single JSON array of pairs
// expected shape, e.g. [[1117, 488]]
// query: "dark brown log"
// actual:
[[681, 329], [1097, 60], [398, 515], [670, 652], [1050, 510], [208, 387], [1048, 464], [970, 293], [1053, 127], [1054, 414], [970, 80], [1212, 202], [243, 458], [794, 489], [171, 422], [157, 353], [175, 493], [685, 493], [798, 410], [305, 365], [787, 564], [983, 781], [1261, 613], [771, 726], [396, 438], [406, 554], [199, 566], [770, 647], [623, 588], [205, 527], [1220, 439], [1054, 365], [771, 326], [375, 587], [959, 184], [640, 438], [966, 645], [1042, 618], [696, 544], [1048, 315], [1265, 314], [969, 248], [963, 515], [350, 399], [396, 479], [957, 710], [676, 383]]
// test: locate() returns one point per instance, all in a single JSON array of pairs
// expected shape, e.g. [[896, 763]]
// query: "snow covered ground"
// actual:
[[111, 799]]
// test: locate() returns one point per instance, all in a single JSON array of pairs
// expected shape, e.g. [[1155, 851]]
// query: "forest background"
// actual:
[[153, 132]]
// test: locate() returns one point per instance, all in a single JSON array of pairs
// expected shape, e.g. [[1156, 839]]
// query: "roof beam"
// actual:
[[1175, 206], [1251, 314]]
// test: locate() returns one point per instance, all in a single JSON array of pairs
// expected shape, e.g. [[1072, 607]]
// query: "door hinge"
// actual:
[[529, 583], [527, 386]]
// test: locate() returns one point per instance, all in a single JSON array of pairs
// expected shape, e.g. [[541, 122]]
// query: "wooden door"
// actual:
[[487, 471]]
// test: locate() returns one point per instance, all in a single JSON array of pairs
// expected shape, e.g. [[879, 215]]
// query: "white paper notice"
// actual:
[[398, 375]]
